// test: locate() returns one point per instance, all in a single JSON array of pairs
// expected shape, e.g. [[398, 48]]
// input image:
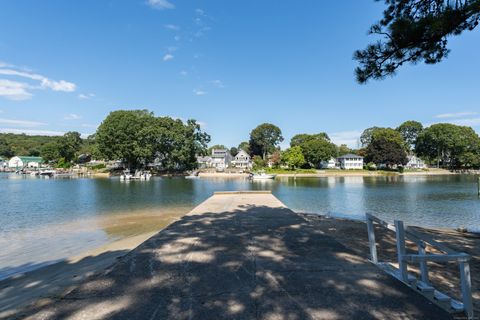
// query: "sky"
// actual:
[[231, 65]]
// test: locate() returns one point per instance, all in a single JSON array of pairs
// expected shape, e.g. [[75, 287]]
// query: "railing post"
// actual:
[[402, 265], [423, 264], [466, 285], [371, 240]]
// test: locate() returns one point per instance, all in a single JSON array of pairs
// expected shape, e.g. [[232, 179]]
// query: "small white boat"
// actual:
[[262, 176], [139, 175], [193, 175]]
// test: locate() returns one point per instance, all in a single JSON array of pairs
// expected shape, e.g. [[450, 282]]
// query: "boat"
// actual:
[[47, 173], [139, 175], [193, 175], [262, 176]]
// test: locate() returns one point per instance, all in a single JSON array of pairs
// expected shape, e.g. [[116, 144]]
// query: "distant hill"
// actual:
[[22, 144]]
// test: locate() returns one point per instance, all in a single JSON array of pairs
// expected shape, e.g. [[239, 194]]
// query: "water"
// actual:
[[42, 220]]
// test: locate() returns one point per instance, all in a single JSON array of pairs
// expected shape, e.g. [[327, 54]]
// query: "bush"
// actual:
[[98, 166], [371, 166], [401, 169]]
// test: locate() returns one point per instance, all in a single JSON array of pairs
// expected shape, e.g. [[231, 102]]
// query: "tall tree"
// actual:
[[414, 31], [245, 146], [410, 131], [367, 134], [293, 157], [386, 147], [315, 148], [300, 139], [5, 149], [69, 145], [449, 145], [343, 149], [264, 139]]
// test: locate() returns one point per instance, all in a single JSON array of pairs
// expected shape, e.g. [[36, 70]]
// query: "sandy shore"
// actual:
[[52, 282]]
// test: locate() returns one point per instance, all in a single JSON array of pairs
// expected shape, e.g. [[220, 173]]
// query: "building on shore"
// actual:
[[350, 161], [20, 162], [415, 162], [221, 159], [330, 164], [242, 160], [204, 162]]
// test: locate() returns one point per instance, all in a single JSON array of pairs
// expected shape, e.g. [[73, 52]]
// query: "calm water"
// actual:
[[39, 216]]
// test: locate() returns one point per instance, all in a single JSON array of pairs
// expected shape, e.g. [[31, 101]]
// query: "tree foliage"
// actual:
[[367, 134], [245, 146], [264, 139], [449, 146], [315, 148], [138, 138], [413, 31], [410, 131], [293, 157], [386, 147]]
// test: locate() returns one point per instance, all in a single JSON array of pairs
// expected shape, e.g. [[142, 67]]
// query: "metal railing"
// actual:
[[423, 284]]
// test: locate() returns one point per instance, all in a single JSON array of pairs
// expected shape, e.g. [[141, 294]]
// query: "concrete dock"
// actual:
[[240, 256]]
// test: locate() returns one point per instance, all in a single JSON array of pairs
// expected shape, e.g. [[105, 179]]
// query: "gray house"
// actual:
[[242, 160]]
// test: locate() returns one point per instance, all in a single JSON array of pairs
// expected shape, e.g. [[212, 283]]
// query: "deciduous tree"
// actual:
[[264, 139]]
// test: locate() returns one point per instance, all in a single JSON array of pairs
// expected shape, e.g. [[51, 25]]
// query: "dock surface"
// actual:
[[240, 256]]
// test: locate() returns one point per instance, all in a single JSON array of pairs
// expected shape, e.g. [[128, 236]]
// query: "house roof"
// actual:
[[242, 152], [31, 159], [350, 155]]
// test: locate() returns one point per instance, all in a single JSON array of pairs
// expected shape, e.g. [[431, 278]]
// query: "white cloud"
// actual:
[[172, 27], [217, 83], [455, 115], [14, 90], [350, 138], [183, 73], [87, 96], [87, 125], [469, 122], [199, 12], [32, 132], [168, 57], [17, 90], [199, 92], [172, 49], [177, 38], [72, 116], [22, 123], [160, 4]]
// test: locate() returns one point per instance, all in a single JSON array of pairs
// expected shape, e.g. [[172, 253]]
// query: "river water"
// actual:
[[42, 220]]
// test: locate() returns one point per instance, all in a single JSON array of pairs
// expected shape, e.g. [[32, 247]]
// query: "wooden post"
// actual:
[[466, 285], [402, 265], [478, 185], [423, 264], [371, 240]]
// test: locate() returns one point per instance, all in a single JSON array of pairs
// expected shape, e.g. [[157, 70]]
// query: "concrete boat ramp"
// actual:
[[240, 256]]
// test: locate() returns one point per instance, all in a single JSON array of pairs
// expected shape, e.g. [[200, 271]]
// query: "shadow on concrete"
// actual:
[[251, 263]]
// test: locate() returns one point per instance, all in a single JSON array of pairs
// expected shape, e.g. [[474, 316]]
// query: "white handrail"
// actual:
[[401, 234]]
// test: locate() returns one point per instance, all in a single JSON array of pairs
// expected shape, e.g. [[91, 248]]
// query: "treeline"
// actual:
[[444, 145], [135, 137]]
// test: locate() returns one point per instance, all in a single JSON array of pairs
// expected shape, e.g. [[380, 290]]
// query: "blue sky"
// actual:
[[64, 65]]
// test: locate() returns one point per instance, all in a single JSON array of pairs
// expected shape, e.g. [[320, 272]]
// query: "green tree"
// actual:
[[343, 150], [414, 31], [69, 145], [449, 145], [264, 139], [138, 138], [293, 157], [50, 151], [245, 146], [233, 151], [300, 139], [386, 147], [5, 149], [258, 162], [367, 134], [410, 131]]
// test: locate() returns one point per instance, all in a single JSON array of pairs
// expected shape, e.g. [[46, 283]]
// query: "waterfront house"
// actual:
[[24, 162], [415, 162], [221, 159], [204, 162], [242, 160], [350, 161], [330, 164]]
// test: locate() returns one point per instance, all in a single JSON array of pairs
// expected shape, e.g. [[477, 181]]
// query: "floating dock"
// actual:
[[241, 255]]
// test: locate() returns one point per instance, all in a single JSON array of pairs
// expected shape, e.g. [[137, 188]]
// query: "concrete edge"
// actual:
[[243, 192]]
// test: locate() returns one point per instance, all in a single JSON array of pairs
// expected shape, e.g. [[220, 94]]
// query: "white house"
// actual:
[[415, 162], [242, 160], [221, 159], [204, 162], [24, 162], [330, 164], [350, 161]]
